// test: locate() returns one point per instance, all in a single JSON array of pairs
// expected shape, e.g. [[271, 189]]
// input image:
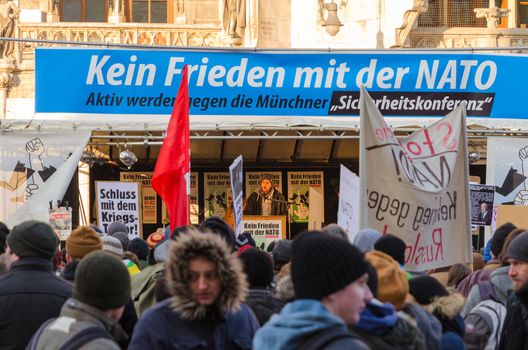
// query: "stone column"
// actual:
[[116, 12], [7, 67]]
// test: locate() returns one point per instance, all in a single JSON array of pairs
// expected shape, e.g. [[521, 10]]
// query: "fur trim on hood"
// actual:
[[448, 306], [213, 247]]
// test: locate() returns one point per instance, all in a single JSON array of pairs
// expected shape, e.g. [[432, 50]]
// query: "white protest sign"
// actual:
[[417, 188], [315, 210], [237, 185], [348, 213], [118, 201]]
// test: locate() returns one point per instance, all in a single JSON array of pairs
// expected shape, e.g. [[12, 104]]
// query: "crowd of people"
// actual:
[[203, 288]]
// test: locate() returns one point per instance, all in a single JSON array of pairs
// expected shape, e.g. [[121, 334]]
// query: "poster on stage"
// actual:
[[237, 185], [149, 203], [348, 212], [481, 197], [265, 229], [60, 219], [417, 187], [36, 169], [299, 183], [217, 194], [118, 201], [195, 209], [253, 180]]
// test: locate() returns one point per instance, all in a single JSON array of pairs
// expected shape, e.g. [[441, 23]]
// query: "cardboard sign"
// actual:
[[118, 201], [348, 212], [417, 187]]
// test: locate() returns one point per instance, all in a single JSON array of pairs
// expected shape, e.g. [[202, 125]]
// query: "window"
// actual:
[[83, 10], [453, 13], [147, 11]]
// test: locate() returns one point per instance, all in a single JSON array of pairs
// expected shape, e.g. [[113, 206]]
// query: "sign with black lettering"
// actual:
[[417, 187], [118, 201]]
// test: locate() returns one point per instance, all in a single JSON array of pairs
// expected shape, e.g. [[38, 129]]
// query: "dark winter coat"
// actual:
[[254, 204], [447, 310], [129, 318], [515, 329], [30, 294], [181, 321], [263, 304]]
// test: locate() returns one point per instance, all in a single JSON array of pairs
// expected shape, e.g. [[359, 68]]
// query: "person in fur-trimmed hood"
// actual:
[[434, 297], [206, 310]]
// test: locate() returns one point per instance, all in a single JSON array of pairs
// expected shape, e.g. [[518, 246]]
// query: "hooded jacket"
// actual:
[[428, 324], [254, 203], [182, 322], [501, 283], [447, 311], [296, 325]]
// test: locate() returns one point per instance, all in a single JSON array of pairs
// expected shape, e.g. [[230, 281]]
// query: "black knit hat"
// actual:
[[139, 247], [33, 239], [425, 288], [266, 176], [258, 267], [102, 281], [392, 246], [244, 239], [218, 226], [518, 248], [499, 237], [322, 265]]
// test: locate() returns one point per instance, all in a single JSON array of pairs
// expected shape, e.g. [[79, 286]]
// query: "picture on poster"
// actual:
[[195, 208], [217, 194], [299, 183], [481, 198], [118, 201], [60, 219], [149, 203], [253, 180]]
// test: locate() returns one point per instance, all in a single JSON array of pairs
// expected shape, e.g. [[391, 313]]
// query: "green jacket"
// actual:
[[143, 285]]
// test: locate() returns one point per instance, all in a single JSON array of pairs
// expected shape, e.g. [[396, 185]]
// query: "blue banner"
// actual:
[[119, 81]]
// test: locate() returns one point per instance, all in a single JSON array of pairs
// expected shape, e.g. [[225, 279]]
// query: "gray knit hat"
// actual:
[[102, 281], [33, 238], [518, 248], [112, 245], [365, 239]]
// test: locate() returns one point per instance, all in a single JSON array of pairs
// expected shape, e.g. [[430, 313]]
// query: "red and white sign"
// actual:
[[417, 187]]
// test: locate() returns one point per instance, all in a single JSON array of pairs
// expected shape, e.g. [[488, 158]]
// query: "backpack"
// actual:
[[484, 322], [76, 340], [324, 338]]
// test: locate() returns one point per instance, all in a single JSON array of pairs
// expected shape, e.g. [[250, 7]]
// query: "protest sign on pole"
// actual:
[[481, 197], [118, 201], [253, 180], [36, 169], [217, 194], [417, 187], [237, 185], [299, 183], [348, 212]]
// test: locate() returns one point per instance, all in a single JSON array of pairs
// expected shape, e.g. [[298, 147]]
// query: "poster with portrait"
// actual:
[[481, 197], [217, 194], [299, 183]]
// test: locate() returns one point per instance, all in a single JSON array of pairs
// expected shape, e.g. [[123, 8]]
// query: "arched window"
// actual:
[[147, 11], [83, 10]]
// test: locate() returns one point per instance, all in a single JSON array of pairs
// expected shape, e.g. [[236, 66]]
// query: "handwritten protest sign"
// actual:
[[348, 213], [118, 201], [417, 187]]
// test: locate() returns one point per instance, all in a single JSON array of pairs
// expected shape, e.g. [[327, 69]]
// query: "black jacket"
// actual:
[[263, 304], [515, 329], [254, 204], [30, 294]]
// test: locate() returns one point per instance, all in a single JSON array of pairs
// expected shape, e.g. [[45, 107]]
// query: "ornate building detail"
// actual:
[[492, 15], [8, 19], [410, 22]]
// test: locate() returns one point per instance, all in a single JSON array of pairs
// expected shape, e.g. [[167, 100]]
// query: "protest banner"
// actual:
[[417, 187], [36, 169], [253, 180], [60, 219], [237, 185], [217, 194], [348, 212], [299, 183], [265, 229], [149, 203], [118, 201], [481, 197]]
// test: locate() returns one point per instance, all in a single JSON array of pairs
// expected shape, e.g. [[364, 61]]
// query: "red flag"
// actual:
[[171, 174]]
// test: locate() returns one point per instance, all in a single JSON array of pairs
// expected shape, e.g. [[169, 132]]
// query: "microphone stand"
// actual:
[[289, 214]]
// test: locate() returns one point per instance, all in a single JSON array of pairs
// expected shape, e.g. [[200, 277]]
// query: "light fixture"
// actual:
[[128, 157], [88, 157], [332, 23], [474, 156]]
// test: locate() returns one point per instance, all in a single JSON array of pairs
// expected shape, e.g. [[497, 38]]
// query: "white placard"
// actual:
[[348, 212], [237, 185]]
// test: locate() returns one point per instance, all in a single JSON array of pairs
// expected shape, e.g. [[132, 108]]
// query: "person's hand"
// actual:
[[35, 147], [521, 198], [30, 189], [523, 153]]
